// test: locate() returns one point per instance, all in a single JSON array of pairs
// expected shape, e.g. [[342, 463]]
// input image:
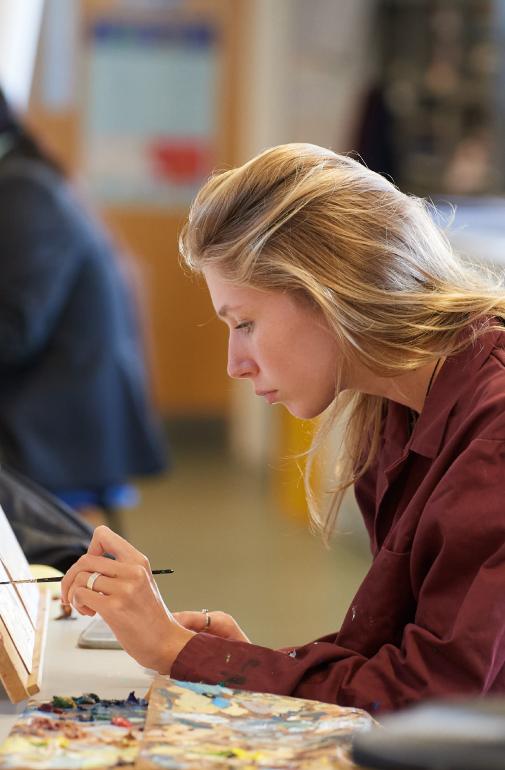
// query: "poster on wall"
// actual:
[[149, 115]]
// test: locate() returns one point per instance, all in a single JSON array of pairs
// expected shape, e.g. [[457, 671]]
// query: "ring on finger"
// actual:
[[207, 619], [91, 580]]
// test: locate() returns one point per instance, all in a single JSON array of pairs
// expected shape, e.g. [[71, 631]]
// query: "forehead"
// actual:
[[227, 296]]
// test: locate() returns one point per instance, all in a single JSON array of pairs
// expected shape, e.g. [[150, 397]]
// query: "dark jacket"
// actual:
[[429, 618], [74, 407]]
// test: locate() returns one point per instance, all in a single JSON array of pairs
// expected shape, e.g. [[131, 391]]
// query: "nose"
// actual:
[[240, 366]]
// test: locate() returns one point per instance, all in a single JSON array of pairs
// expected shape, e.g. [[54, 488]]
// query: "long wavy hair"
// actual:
[[303, 219]]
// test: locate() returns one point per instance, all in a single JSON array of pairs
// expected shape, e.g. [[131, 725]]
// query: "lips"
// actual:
[[268, 395]]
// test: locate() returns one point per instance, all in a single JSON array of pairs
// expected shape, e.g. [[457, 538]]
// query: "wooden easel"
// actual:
[[19, 683], [26, 611]]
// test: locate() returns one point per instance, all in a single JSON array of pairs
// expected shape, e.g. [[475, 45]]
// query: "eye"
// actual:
[[244, 326]]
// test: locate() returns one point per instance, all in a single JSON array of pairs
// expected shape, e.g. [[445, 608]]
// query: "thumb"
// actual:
[[192, 620], [221, 624]]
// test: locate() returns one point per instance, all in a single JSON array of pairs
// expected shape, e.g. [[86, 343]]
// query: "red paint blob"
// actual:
[[121, 722]]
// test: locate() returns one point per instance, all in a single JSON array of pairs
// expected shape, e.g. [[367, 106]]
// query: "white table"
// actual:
[[70, 670]]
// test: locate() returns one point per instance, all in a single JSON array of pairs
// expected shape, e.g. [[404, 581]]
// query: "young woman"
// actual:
[[340, 293]]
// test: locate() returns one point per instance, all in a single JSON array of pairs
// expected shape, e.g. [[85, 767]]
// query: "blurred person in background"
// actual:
[[344, 300], [375, 134], [75, 411]]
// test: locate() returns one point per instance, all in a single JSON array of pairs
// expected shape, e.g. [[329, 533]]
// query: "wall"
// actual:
[[187, 343], [19, 30]]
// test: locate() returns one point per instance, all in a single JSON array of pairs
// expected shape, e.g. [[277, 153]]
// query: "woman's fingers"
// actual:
[[123, 585], [111, 568], [193, 621], [107, 586], [221, 624], [87, 564], [102, 584], [86, 601], [104, 540]]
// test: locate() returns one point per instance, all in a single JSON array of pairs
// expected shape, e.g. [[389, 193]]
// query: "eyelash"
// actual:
[[244, 326]]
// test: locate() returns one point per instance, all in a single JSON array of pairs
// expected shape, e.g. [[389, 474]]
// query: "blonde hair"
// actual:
[[301, 218]]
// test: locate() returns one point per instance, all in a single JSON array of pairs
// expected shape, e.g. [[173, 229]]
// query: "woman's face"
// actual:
[[280, 343]]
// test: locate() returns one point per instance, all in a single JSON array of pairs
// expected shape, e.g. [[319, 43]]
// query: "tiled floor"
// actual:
[[217, 526]]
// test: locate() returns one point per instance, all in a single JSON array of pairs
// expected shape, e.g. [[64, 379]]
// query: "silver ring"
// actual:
[[91, 580], [207, 619]]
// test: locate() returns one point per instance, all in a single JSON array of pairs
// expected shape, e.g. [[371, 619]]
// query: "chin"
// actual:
[[305, 412]]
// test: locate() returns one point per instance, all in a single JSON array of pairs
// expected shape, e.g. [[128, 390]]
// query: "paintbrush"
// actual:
[[60, 577]]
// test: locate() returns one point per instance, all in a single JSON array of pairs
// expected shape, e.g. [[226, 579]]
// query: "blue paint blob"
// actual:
[[221, 703], [210, 690]]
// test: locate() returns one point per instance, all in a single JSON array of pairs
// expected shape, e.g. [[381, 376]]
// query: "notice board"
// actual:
[[150, 118]]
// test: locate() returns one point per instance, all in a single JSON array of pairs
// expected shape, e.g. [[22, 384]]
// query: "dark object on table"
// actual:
[[444, 735]]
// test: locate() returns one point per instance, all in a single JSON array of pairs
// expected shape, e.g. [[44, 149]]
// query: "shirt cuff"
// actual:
[[213, 660]]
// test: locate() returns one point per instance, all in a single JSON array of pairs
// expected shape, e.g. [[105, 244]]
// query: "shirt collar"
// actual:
[[455, 374]]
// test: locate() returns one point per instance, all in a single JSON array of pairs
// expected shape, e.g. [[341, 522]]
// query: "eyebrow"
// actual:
[[225, 310]]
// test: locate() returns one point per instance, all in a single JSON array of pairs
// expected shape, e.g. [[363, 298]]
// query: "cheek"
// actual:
[[276, 358], [318, 355]]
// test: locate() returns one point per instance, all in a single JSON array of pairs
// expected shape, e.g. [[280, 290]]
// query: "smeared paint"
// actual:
[[63, 703], [221, 703], [202, 689], [251, 663], [121, 722], [236, 752], [204, 699], [254, 730], [77, 732], [233, 681]]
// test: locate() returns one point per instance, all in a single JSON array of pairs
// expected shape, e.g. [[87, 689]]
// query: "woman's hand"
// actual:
[[127, 597], [220, 624]]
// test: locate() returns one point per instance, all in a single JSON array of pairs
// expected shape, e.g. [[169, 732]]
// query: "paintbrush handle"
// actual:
[[59, 578]]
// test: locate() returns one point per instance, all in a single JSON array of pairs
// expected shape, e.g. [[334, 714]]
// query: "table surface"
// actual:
[[70, 670]]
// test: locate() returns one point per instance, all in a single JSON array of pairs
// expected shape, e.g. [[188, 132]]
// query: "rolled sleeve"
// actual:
[[443, 601]]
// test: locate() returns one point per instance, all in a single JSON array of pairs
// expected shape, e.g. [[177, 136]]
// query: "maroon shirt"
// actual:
[[429, 617]]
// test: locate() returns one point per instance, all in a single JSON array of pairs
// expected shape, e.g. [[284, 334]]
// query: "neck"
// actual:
[[412, 389]]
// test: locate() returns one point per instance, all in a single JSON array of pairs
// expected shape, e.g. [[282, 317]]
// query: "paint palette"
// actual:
[[83, 732], [215, 728], [186, 726]]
